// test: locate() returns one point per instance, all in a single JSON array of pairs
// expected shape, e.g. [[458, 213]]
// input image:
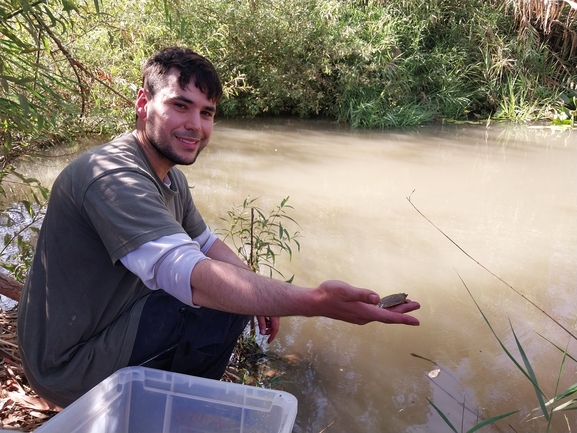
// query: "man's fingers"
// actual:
[[263, 325], [274, 328], [268, 326], [397, 314], [351, 304], [405, 307]]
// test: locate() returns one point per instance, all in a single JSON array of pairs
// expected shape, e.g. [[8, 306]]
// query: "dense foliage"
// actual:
[[383, 64], [369, 64]]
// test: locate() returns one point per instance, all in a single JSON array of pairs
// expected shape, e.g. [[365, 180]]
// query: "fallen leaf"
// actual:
[[31, 402], [37, 414]]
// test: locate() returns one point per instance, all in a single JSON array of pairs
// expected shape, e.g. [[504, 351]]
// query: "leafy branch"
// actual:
[[259, 238]]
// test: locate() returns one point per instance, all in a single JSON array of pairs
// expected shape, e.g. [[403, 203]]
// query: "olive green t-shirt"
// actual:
[[80, 307]]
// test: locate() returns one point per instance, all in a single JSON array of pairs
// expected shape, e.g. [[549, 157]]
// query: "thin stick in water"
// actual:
[[489, 271]]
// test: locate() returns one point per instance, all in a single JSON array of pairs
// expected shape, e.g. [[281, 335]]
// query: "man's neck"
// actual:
[[157, 161]]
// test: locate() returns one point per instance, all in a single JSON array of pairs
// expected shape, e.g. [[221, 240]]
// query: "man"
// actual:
[[126, 271]]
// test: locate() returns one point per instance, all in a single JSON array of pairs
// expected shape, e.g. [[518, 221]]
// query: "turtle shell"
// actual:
[[392, 300]]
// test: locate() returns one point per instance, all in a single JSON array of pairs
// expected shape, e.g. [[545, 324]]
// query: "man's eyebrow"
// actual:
[[210, 108]]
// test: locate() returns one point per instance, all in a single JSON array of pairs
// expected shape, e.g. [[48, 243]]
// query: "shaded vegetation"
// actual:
[[71, 66]]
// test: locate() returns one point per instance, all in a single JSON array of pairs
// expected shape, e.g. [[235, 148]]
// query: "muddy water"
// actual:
[[506, 196]]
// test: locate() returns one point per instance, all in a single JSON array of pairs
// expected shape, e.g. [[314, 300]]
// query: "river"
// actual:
[[507, 196]]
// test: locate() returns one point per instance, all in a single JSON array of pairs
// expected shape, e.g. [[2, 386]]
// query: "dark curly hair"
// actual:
[[192, 66]]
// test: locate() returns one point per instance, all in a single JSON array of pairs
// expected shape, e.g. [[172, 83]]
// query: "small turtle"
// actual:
[[392, 300]]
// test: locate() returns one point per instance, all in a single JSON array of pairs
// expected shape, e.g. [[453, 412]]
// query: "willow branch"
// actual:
[[19, 11], [75, 64], [9, 287]]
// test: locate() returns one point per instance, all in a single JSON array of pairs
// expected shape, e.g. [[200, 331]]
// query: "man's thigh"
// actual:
[[174, 336]]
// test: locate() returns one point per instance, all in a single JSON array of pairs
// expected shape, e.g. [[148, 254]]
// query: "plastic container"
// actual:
[[139, 399]]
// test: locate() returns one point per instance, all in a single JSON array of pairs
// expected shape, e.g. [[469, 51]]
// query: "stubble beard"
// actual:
[[162, 146]]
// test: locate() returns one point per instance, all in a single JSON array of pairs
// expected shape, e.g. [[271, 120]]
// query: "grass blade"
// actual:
[[511, 357], [559, 348], [565, 406], [490, 421], [489, 271], [569, 391], [531, 374], [452, 427]]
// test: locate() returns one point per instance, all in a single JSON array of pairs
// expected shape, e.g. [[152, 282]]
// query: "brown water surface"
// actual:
[[506, 195]]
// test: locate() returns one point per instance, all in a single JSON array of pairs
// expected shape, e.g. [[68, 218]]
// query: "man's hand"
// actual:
[[268, 326], [341, 301]]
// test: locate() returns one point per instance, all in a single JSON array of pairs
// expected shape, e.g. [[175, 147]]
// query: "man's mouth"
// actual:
[[190, 142]]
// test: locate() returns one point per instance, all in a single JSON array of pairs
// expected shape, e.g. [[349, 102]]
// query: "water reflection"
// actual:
[[508, 196]]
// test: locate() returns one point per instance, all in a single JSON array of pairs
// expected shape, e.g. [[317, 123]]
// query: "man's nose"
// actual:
[[193, 121]]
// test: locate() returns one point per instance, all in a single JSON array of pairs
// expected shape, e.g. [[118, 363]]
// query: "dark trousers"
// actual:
[[173, 336]]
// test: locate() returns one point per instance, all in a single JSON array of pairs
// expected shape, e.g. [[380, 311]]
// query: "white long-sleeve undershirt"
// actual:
[[167, 262]]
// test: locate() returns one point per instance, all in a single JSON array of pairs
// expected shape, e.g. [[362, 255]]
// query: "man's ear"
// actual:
[[141, 104]]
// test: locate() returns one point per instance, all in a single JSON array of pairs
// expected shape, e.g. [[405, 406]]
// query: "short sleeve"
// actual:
[[128, 209]]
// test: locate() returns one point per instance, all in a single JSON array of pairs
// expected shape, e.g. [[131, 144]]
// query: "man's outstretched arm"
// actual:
[[220, 285]]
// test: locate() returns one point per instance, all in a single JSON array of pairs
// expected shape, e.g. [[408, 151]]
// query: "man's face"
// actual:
[[177, 123]]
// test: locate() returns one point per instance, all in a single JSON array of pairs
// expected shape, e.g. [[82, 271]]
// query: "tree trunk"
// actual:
[[10, 287]]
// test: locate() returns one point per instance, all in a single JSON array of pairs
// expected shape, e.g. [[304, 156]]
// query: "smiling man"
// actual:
[[174, 124], [126, 272]]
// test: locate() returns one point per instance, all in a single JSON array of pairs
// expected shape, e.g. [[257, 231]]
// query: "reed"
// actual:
[[546, 407], [563, 401], [555, 20]]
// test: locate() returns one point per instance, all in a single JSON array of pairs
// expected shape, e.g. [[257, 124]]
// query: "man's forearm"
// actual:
[[227, 287], [221, 251]]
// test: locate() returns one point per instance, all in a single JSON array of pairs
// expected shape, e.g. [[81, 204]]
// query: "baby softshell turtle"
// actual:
[[392, 300]]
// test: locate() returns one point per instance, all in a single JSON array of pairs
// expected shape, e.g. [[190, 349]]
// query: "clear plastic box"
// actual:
[[139, 399]]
